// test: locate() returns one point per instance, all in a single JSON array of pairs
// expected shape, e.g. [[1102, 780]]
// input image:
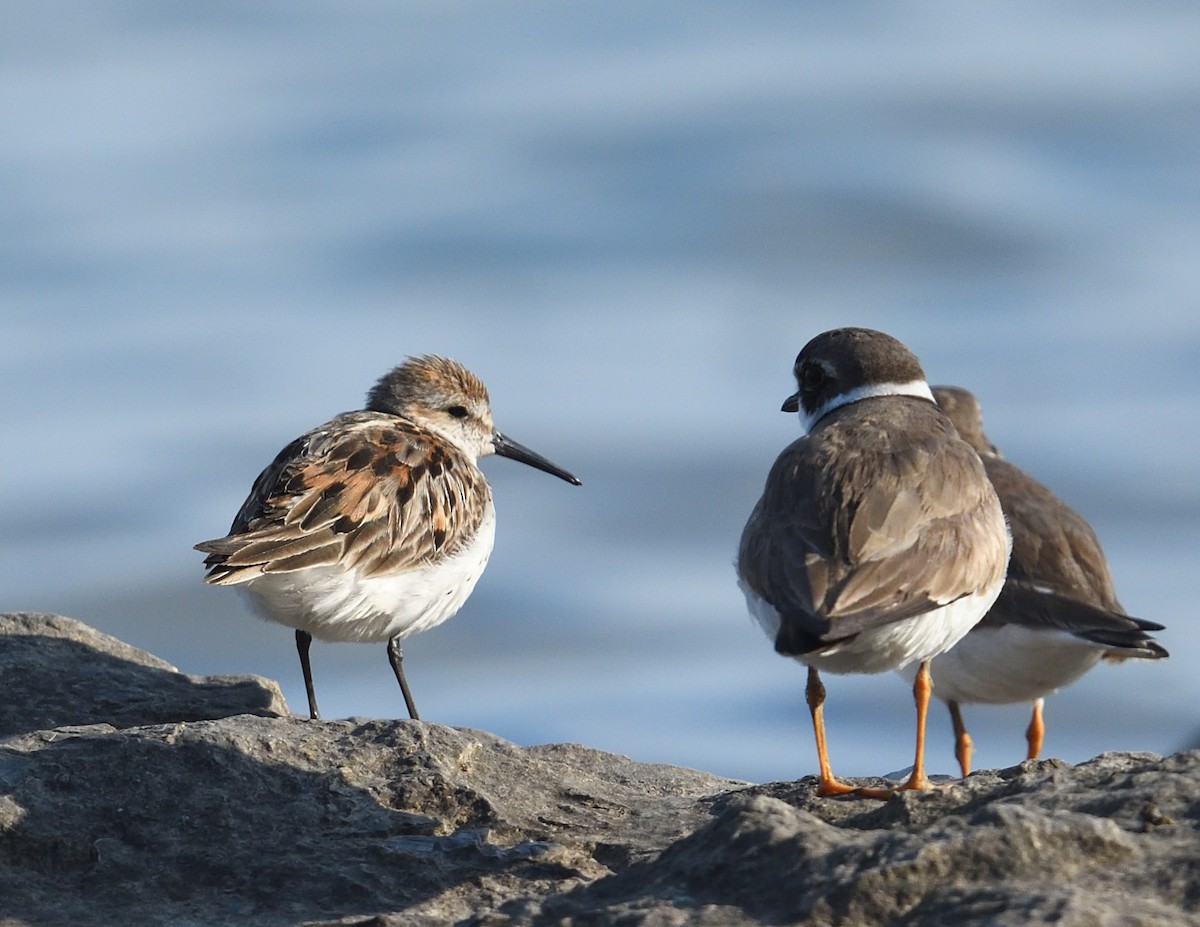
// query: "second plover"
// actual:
[[878, 541], [378, 523], [1058, 614]]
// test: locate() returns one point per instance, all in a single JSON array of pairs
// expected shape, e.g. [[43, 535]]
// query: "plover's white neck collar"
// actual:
[[917, 388]]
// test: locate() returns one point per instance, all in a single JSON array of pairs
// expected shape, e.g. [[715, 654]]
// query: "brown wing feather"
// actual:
[[1058, 577], [851, 535], [1050, 539], [366, 490]]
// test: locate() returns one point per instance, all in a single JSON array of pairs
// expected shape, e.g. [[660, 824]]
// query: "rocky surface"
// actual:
[[56, 671], [114, 812]]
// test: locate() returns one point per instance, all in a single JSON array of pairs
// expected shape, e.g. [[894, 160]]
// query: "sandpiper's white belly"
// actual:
[[893, 645], [1010, 664], [337, 604]]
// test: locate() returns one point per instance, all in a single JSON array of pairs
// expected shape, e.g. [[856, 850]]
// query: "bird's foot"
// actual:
[[914, 784], [830, 788]]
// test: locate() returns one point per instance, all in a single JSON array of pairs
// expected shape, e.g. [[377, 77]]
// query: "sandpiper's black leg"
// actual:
[[396, 658], [303, 642]]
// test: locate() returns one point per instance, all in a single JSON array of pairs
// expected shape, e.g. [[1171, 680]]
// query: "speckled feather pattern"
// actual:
[[367, 491], [377, 523]]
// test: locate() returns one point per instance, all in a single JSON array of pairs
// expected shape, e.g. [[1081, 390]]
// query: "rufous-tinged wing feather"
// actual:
[[366, 490]]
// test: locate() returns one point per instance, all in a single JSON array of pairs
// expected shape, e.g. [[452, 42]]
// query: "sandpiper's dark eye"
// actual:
[[812, 376], [458, 411]]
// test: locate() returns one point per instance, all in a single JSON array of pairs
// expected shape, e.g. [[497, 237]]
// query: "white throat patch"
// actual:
[[918, 388]]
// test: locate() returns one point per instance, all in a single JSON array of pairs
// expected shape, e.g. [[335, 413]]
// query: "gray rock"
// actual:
[[253, 820], [1107, 842], [56, 671]]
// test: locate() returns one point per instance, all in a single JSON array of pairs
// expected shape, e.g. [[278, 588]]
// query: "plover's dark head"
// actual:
[[848, 364], [962, 408]]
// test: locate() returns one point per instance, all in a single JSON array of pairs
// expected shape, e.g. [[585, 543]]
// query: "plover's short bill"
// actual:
[[378, 523], [878, 541], [1057, 615]]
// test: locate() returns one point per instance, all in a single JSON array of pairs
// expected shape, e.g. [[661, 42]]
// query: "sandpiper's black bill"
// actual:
[[506, 447]]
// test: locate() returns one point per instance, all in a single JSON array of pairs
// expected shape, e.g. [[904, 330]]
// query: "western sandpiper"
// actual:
[[378, 523]]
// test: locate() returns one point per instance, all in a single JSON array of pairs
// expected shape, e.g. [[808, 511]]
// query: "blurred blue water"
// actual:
[[223, 221]]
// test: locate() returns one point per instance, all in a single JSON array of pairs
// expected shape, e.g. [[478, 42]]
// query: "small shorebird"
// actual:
[[878, 541], [1057, 615], [378, 523]]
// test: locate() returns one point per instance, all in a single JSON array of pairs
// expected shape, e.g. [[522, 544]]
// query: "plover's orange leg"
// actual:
[[396, 658], [962, 740], [917, 781], [1036, 731], [814, 693]]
